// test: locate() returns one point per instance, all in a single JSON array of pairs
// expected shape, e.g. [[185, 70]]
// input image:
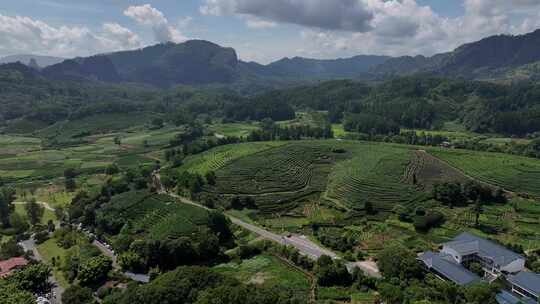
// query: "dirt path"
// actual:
[[44, 204]]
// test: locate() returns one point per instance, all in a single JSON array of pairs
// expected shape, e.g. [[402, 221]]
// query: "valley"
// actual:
[[181, 172]]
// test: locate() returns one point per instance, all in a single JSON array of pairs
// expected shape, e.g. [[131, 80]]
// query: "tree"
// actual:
[[112, 169], [368, 206], [94, 270], [50, 226], [396, 261], [12, 294], [10, 249], [481, 293], [7, 196], [449, 194], [478, 210], [157, 123], [70, 173], [477, 268], [70, 184], [18, 223], [210, 178], [33, 278], [331, 273], [131, 261], [34, 211], [76, 294], [392, 294]]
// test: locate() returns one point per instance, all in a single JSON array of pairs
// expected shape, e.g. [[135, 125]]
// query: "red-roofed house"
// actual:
[[7, 266]]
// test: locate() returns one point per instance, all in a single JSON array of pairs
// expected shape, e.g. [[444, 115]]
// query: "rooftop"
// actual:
[[505, 297], [467, 243], [8, 265], [529, 281], [445, 265]]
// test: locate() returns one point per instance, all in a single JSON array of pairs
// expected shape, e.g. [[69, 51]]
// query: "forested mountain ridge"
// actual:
[[198, 62], [492, 57]]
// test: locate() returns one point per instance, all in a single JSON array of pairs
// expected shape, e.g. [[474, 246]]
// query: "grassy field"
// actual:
[[10, 144], [268, 271], [513, 173], [82, 251], [69, 131], [50, 249], [47, 214]]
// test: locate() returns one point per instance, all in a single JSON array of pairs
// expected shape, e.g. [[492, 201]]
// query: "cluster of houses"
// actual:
[[455, 258]]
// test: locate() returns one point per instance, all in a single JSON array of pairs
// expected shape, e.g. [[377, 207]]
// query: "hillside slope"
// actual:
[[492, 57]]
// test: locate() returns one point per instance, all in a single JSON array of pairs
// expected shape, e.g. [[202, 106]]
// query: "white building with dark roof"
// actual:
[[495, 259], [446, 268]]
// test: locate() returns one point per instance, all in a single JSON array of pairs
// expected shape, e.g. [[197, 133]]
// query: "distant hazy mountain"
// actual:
[[492, 57], [299, 67], [42, 61]]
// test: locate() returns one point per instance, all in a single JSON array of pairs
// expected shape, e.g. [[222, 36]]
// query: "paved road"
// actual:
[[303, 244], [30, 245], [143, 278]]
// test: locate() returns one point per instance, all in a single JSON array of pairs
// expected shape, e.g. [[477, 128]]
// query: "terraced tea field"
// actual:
[[425, 170], [68, 131], [374, 174], [157, 216], [218, 157], [276, 178], [513, 173]]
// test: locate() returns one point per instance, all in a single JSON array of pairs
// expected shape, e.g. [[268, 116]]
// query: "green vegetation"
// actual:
[[278, 177], [155, 216], [269, 271], [233, 129], [513, 173], [372, 176], [217, 158]]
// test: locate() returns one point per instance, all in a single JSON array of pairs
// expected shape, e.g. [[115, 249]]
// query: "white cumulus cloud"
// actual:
[[20, 34], [390, 27], [150, 16]]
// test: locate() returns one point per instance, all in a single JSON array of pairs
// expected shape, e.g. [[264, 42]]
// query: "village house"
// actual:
[[8, 266], [453, 262]]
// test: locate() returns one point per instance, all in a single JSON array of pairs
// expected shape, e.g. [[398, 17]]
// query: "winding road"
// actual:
[[302, 243], [57, 290]]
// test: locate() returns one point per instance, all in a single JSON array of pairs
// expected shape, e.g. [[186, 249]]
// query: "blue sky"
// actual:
[[260, 30]]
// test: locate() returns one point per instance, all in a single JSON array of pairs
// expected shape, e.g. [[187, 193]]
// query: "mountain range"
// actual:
[[41, 61], [495, 57], [198, 62]]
